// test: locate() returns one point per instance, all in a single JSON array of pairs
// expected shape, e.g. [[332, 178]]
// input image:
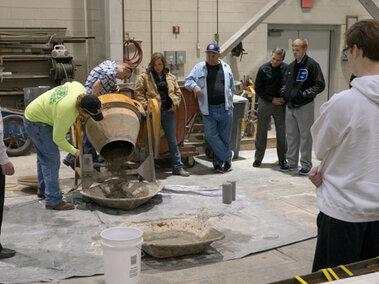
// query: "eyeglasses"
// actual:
[[344, 51]]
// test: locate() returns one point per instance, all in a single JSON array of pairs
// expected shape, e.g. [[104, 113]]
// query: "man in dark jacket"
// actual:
[[304, 81], [267, 86]]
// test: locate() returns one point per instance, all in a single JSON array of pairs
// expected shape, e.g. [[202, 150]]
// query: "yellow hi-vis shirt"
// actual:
[[57, 108]]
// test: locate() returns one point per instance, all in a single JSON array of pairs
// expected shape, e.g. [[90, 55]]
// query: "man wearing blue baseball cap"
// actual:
[[212, 83]]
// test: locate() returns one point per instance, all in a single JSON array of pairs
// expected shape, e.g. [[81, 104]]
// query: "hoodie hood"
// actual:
[[368, 86]]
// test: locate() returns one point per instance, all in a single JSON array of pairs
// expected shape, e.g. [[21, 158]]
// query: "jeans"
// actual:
[[218, 131], [169, 126], [87, 149], [48, 161]]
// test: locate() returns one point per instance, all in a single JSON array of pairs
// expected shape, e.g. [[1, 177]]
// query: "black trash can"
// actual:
[[239, 111]]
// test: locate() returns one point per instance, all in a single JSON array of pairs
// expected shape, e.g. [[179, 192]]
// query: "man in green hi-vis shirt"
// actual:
[[47, 120]]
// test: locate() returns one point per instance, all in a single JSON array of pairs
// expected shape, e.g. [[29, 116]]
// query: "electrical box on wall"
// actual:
[[180, 57], [170, 57]]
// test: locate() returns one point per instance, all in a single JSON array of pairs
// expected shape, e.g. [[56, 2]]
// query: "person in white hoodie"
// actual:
[[346, 137]]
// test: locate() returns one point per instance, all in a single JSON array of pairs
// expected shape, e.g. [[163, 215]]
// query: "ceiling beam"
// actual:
[[247, 28]]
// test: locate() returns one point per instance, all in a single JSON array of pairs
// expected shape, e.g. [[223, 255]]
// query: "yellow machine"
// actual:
[[126, 138]]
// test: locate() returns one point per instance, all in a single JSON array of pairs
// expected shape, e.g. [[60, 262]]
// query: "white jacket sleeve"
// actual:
[[3, 150]]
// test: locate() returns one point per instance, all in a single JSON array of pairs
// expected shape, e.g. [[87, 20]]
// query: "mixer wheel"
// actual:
[[189, 162]]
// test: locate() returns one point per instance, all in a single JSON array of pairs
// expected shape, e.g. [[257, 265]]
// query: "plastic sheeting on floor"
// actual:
[[54, 245]]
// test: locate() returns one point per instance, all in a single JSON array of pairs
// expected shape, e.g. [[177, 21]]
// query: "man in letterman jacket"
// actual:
[[303, 82]]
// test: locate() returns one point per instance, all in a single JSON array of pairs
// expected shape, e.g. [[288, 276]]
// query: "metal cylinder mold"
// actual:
[[117, 133]]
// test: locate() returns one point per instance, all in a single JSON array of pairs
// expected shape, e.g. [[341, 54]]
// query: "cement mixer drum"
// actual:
[[116, 135]]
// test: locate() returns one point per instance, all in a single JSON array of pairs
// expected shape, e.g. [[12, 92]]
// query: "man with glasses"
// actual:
[[100, 81], [346, 136]]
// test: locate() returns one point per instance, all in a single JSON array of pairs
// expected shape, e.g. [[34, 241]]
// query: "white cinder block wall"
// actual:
[[183, 13], [233, 15]]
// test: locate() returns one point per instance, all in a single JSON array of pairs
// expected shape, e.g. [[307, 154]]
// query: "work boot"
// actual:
[[61, 206], [182, 173], [68, 164]]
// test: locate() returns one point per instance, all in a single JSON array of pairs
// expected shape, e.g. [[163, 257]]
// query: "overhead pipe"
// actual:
[[86, 34], [151, 27], [198, 28]]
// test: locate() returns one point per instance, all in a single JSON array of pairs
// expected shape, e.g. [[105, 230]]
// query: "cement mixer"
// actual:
[[124, 138]]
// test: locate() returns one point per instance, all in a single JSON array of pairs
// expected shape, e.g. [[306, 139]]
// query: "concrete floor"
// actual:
[[287, 193]]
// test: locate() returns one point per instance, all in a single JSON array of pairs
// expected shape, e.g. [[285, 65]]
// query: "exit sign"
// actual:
[[306, 3]]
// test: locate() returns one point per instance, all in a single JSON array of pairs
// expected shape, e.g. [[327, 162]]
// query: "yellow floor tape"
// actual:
[[301, 280], [348, 272]]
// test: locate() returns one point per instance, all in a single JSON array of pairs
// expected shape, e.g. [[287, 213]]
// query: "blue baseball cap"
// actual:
[[213, 47]]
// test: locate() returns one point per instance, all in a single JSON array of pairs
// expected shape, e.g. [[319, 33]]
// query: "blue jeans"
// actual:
[[87, 149], [48, 160], [169, 126], [218, 131]]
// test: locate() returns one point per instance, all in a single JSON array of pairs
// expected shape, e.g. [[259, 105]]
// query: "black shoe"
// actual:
[[218, 169], [41, 195], [228, 163], [67, 163], [7, 253], [257, 163]]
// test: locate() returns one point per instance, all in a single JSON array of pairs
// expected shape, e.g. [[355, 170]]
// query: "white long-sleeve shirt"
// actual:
[[346, 140], [3, 150]]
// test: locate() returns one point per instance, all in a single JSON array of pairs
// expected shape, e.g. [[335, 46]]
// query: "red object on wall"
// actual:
[[175, 29], [306, 3]]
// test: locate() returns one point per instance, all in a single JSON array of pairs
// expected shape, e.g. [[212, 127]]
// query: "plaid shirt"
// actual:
[[106, 73]]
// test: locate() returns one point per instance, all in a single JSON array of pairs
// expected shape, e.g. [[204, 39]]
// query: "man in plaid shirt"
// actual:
[[102, 79]]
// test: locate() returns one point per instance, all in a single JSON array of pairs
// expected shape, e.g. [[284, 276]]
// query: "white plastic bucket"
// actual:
[[122, 255]]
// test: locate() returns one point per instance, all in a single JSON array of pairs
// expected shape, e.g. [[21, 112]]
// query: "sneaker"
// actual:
[[182, 173], [303, 171], [284, 166], [6, 253], [61, 206], [257, 163], [228, 163], [218, 169]]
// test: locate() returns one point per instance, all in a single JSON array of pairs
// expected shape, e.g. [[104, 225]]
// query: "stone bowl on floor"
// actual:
[[175, 236], [122, 194]]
